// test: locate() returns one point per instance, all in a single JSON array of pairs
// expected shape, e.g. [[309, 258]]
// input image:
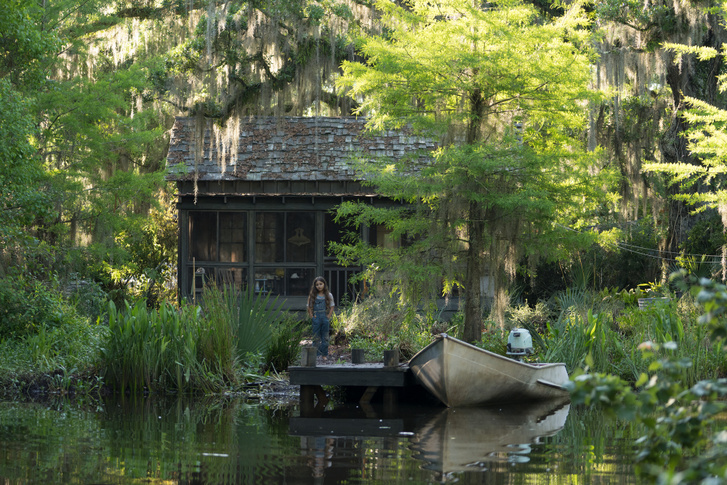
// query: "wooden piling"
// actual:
[[357, 356], [308, 357], [391, 358]]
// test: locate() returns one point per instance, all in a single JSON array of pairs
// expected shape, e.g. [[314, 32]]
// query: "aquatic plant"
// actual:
[[151, 349], [284, 346], [682, 442]]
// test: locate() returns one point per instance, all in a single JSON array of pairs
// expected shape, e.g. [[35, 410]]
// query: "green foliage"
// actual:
[[523, 316], [371, 316], [655, 20], [682, 442], [706, 236], [490, 184], [217, 347], [145, 256], [27, 304], [193, 348], [284, 346], [381, 323], [574, 339], [494, 339], [152, 349], [23, 197], [602, 331], [74, 344], [701, 184], [88, 297], [713, 297], [253, 317]]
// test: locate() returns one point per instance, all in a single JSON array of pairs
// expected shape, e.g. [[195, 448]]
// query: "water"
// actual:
[[218, 441]]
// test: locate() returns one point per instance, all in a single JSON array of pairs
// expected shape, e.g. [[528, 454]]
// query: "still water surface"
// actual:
[[232, 441]]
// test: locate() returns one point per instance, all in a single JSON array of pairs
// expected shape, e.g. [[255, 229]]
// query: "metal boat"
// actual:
[[460, 375]]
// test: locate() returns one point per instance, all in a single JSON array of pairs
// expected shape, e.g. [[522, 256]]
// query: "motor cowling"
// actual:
[[519, 342]]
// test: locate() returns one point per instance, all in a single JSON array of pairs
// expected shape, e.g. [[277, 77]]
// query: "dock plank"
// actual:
[[364, 375]]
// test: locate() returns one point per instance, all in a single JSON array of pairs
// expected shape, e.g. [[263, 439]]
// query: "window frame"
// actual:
[[250, 266]]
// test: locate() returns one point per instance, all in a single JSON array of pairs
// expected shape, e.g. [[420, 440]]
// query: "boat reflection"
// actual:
[[458, 439], [445, 440]]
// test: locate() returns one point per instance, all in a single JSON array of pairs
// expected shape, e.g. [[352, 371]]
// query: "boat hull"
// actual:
[[460, 375]]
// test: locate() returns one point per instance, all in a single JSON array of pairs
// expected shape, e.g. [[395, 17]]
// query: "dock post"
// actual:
[[357, 356], [391, 358], [308, 357], [307, 400], [391, 400]]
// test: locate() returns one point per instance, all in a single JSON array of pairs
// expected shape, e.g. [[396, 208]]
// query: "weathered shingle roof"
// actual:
[[282, 149]]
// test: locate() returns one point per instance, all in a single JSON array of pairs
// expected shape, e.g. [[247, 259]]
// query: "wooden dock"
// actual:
[[391, 377]]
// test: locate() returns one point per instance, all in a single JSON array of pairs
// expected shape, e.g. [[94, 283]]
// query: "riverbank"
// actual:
[[89, 384]]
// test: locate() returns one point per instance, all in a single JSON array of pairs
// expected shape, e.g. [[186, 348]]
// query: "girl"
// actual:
[[320, 309]]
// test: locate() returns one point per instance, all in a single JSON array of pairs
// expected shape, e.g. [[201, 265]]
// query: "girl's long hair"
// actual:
[[314, 292]]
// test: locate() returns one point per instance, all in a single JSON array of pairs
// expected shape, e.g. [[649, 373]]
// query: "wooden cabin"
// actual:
[[255, 200]]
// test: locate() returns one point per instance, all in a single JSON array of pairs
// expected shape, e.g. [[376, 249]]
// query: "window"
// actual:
[[233, 227], [300, 237], [381, 236], [285, 237], [202, 236], [280, 258], [207, 240], [269, 237]]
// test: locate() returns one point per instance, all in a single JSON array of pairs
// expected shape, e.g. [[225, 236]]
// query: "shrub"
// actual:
[[284, 346], [380, 323], [27, 304], [683, 440], [74, 345], [371, 317], [252, 316], [87, 296], [524, 316], [494, 338]]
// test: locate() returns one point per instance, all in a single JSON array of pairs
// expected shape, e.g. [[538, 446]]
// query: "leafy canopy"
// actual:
[[505, 94]]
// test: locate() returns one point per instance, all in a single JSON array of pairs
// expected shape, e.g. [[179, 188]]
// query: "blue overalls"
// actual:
[[321, 325]]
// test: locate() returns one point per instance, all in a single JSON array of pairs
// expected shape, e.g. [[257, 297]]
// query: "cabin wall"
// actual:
[[271, 244]]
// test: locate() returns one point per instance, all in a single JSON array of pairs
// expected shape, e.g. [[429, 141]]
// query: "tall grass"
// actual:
[[575, 340], [75, 344], [250, 316], [603, 333], [284, 347], [190, 348], [217, 345], [152, 349], [382, 323]]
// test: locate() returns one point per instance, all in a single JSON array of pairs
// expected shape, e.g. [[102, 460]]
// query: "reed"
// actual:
[[151, 349], [253, 318], [284, 346], [217, 348], [578, 341], [594, 333]]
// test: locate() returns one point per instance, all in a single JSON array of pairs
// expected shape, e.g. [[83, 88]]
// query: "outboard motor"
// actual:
[[519, 343]]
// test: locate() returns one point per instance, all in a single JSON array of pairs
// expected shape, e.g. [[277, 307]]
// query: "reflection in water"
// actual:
[[220, 441], [444, 440], [320, 451], [458, 439]]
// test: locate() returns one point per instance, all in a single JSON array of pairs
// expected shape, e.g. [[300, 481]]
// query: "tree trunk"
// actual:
[[472, 331]]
